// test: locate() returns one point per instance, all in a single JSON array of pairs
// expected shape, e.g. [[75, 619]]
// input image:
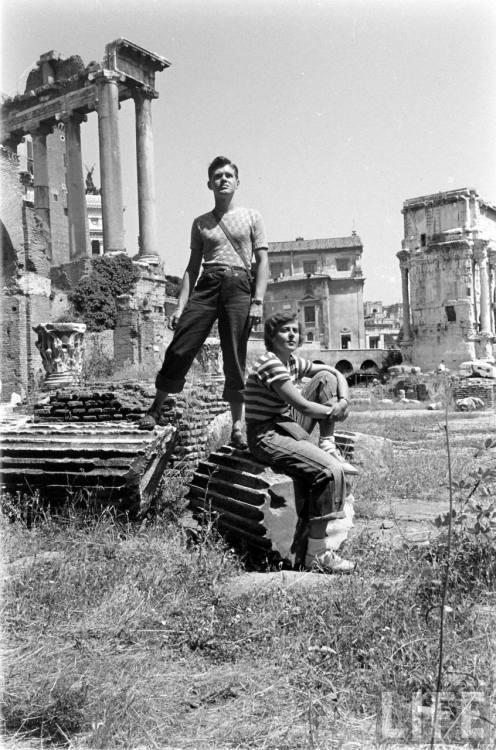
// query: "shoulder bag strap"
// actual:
[[233, 242]]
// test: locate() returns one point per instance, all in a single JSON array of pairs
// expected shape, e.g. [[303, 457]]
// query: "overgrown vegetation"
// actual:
[[94, 297], [172, 285], [98, 363], [125, 635]]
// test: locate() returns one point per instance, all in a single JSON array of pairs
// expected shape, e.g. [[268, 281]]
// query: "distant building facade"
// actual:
[[448, 270], [322, 280], [382, 324]]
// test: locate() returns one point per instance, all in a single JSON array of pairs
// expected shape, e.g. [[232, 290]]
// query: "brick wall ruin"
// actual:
[[191, 411], [483, 388]]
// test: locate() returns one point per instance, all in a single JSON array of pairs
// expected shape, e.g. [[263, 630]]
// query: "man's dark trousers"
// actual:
[[222, 294]]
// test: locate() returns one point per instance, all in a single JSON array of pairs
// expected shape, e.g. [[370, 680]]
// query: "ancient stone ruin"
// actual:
[[43, 203], [448, 272]]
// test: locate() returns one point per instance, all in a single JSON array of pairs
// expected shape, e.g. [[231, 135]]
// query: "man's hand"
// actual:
[[173, 320], [339, 411], [256, 310]]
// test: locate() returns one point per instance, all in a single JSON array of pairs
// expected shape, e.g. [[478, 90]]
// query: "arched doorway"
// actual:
[[369, 366], [344, 366]]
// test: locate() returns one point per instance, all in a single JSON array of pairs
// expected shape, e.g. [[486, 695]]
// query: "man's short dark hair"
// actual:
[[221, 161], [274, 322]]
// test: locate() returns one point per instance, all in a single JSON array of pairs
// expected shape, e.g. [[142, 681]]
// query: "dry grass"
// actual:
[[122, 636]]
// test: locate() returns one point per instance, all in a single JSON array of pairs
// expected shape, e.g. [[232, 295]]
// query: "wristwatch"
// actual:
[[257, 302]]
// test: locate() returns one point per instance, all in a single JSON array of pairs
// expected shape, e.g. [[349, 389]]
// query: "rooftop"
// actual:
[[327, 243]]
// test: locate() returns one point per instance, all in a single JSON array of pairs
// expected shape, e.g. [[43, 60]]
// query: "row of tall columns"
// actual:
[[110, 173], [487, 300], [110, 167], [76, 201]]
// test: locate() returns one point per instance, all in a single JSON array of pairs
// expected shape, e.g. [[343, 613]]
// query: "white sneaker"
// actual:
[[328, 562], [329, 446]]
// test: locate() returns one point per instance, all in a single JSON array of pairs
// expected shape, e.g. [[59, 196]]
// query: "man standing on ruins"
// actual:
[[224, 239]]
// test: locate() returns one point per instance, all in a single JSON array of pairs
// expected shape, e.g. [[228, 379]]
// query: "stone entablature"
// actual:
[[59, 94], [448, 269]]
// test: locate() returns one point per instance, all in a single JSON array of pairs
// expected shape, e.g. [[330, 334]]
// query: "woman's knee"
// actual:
[[322, 388]]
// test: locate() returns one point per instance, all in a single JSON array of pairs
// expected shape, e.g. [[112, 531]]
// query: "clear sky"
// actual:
[[335, 111]]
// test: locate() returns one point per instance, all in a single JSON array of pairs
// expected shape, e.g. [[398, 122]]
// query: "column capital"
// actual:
[[141, 93], [106, 76], [491, 252], [42, 129], [480, 251], [75, 117]]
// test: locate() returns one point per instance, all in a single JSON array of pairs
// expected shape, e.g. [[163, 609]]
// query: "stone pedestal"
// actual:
[[61, 349]]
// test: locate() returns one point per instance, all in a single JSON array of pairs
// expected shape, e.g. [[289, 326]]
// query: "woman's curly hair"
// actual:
[[277, 320]]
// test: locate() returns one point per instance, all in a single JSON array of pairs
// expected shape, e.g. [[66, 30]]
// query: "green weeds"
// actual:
[[126, 635]]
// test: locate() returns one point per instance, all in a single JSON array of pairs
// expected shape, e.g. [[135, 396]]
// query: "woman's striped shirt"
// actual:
[[261, 401]]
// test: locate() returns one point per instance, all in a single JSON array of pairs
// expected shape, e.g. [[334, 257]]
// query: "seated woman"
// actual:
[[277, 438]]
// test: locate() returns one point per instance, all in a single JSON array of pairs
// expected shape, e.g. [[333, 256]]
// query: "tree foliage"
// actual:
[[172, 286], [94, 296], [393, 357]]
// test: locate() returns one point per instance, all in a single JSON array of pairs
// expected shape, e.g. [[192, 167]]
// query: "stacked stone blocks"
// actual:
[[190, 412]]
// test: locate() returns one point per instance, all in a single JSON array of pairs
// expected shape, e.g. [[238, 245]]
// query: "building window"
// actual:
[[309, 336], [95, 247], [276, 270], [345, 340], [342, 264], [423, 240], [310, 267], [310, 315], [450, 313], [374, 342]]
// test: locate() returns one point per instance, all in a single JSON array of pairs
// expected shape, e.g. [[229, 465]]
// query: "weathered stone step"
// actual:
[[243, 493], [102, 476], [219, 500], [228, 474], [119, 464], [14, 459], [239, 460]]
